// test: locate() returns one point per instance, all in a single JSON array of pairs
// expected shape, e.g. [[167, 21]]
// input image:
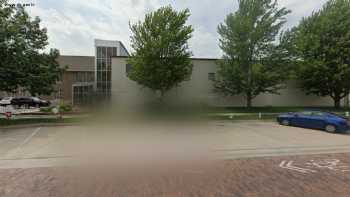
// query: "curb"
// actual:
[[23, 126]]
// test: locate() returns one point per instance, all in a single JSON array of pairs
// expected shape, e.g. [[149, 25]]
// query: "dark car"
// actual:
[[327, 121], [29, 102]]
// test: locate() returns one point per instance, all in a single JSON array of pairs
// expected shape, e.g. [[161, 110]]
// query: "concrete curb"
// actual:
[[24, 126]]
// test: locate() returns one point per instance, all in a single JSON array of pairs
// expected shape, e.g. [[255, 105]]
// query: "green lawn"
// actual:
[[264, 113], [272, 109], [212, 113]]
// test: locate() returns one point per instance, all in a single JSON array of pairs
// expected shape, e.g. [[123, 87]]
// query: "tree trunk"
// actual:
[[337, 102], [249, 92], [161, 98], [249, 100]]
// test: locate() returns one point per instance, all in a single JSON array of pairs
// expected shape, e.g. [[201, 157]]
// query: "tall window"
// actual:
[[104, 70]]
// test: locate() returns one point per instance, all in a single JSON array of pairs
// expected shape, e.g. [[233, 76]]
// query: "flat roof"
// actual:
[[192, 58]]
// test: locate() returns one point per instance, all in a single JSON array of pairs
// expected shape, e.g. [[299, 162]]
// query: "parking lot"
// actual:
[[44, 146], [261, 159]]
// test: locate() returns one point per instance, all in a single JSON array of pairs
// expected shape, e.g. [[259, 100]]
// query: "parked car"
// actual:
[[29, 102], [6, 101], [327, 121], [41, 103]]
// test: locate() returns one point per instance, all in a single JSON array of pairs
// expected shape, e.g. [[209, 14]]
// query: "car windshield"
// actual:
[[305, 113], [317, 113], [336, 115]]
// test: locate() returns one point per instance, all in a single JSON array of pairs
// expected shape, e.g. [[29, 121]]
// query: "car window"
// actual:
[[306, 113], [318, 114]]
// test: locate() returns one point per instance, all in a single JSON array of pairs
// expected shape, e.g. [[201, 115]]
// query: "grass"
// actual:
[[272, 109], [267, 113], [243, 117], [27, 121], [212, 113]]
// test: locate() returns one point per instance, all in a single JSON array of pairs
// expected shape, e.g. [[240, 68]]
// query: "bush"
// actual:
[[65, 108], [62, 108]]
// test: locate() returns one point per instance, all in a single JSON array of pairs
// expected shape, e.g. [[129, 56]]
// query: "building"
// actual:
[[89, 77], [78, 81], [199, 90], [104, 77]]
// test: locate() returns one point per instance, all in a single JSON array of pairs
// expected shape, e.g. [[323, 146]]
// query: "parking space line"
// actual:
[[30, 137], [25, 141]]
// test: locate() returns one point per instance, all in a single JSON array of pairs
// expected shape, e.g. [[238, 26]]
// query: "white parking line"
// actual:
[[25, 141], [29, 137]]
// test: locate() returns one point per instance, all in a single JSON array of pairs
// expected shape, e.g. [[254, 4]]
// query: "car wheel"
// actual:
[[330, 128], [285, 122]]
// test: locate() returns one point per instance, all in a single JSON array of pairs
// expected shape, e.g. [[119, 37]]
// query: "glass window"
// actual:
[[115, 51], [306, 113], [103, 65], [91, 77], [104, 52], [99, 64], [104, 75], [109, 52], [318, 114], [109, 75], [99, 52], [99, 76]]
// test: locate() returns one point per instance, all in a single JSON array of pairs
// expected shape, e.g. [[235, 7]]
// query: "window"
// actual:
[[211, 76], [99, 52], [128, 68], [109, 52], [306, 113], [104, 52], [82, 94], [83, 77], [318, 114], [115, 51]]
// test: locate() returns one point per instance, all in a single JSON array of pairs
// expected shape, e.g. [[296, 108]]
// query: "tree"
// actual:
[[321, 43], [23, 64], [253, 62], [161, 60]]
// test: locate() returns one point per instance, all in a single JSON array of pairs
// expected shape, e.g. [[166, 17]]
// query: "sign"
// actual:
[[8, 115]]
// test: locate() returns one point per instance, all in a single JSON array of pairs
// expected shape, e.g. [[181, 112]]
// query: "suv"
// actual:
[[29, 102]]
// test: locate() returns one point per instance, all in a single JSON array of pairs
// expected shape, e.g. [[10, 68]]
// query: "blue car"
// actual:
[[327, 121]]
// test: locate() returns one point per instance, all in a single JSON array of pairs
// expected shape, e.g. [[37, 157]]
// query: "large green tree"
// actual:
[[253, 61], [23, 62], [161, 57], [321, 42]]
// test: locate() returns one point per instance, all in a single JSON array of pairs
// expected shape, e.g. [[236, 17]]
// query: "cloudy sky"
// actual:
[[74, 24]]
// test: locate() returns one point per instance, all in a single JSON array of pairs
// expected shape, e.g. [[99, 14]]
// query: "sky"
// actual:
[[74, 24]]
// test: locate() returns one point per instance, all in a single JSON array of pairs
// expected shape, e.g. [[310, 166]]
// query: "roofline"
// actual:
[[76, 70], [76, 56], [123, 56], [121, 43], [193, 58]]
